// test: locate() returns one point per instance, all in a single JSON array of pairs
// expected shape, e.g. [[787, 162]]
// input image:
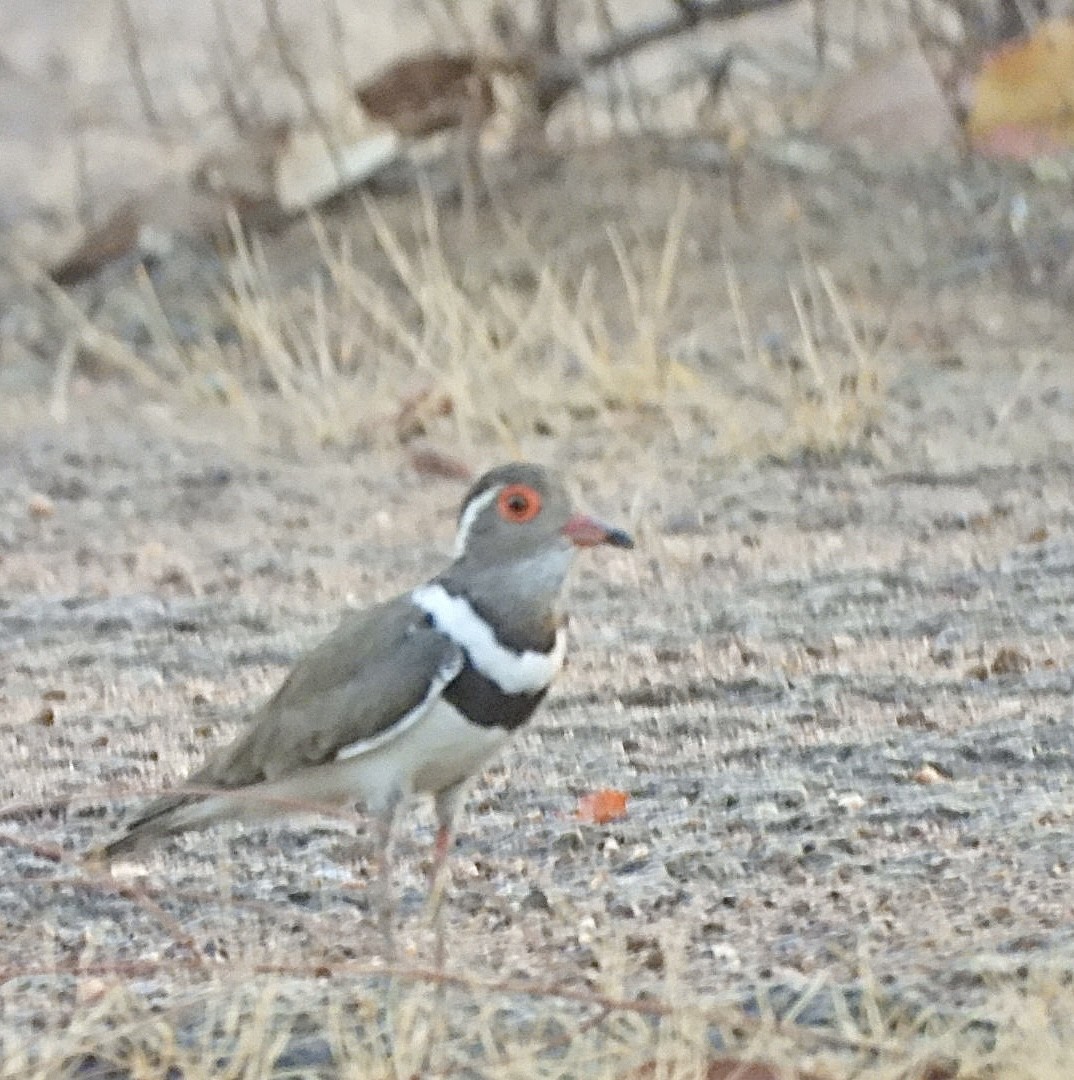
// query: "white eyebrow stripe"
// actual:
[[469, 516], [513, 672]]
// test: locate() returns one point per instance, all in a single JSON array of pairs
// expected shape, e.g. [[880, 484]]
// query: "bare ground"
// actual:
[[836, 684]]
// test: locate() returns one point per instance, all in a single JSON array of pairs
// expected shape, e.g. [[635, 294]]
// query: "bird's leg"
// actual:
[[434, 903], [383, 869], [441, 847], [447, 805]]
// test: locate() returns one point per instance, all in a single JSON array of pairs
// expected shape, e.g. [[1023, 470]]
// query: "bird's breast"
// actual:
[[486, 705], [446, 748]]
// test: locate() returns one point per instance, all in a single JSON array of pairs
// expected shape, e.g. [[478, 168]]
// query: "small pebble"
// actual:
[[40, 506]]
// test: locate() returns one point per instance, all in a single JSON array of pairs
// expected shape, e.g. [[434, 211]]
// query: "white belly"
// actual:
[[436, 752], [440, 750]]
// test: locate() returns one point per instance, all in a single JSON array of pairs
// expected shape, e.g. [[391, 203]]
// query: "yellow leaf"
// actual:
[[1023, 98]]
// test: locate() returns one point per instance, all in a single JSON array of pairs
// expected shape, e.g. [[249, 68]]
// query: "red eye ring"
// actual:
[[518, 503]]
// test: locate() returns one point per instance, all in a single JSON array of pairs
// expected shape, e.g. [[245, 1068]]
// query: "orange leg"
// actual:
[[441, 848], [447, 805]]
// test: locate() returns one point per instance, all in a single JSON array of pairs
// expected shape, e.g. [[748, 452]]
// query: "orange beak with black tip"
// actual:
[[584, 531]]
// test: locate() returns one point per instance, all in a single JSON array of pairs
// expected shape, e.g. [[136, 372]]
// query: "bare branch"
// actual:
[[245, 111], [548, 27], [557, 76], [129, 33], [710, 11], [620, 75], [688, 9], [301, 83]]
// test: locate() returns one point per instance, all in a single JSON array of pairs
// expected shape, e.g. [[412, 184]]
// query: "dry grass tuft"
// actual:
[[373, 347], [825, 387], [180, 1009], [503, 362], [158, 1018]]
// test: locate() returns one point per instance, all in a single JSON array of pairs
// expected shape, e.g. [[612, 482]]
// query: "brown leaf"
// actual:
[[429, 92], [736, 1069], [434, 463], [942, 1070], [1010, 661], [115, 238]]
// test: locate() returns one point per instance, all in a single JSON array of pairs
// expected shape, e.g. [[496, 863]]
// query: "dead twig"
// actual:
[[548, 26], [620, 78], [301, 83], [246, 119], [133, 49], [603, 1004], [558, 75]]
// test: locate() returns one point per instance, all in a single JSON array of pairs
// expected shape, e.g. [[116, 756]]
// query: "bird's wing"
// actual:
[[376, 674]]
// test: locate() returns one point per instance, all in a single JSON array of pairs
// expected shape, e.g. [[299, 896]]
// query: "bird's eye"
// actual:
[[518, 503]]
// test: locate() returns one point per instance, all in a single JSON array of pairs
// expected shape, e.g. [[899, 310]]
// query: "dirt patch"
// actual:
[[836, 686]]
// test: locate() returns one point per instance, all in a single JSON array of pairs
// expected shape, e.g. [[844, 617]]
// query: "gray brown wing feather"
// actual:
[[352, 687], [375, 668]]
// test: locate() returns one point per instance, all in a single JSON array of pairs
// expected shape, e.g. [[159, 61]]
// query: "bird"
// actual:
[[412, 696]]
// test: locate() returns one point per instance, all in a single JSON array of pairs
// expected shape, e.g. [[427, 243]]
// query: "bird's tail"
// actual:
[[166, 816]]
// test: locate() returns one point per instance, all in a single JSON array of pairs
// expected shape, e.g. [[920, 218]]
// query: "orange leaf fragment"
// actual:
[[600, 807]]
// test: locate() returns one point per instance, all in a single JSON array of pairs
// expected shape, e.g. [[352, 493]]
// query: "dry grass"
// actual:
[[377, 345], [182, 1011], [337, 357], [511, 360], [170, 1015], [826, 386]]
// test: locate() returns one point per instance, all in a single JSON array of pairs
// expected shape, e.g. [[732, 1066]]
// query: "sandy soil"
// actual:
[[836, 689]]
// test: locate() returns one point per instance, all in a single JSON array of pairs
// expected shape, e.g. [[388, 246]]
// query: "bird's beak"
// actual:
[[583, 531]]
